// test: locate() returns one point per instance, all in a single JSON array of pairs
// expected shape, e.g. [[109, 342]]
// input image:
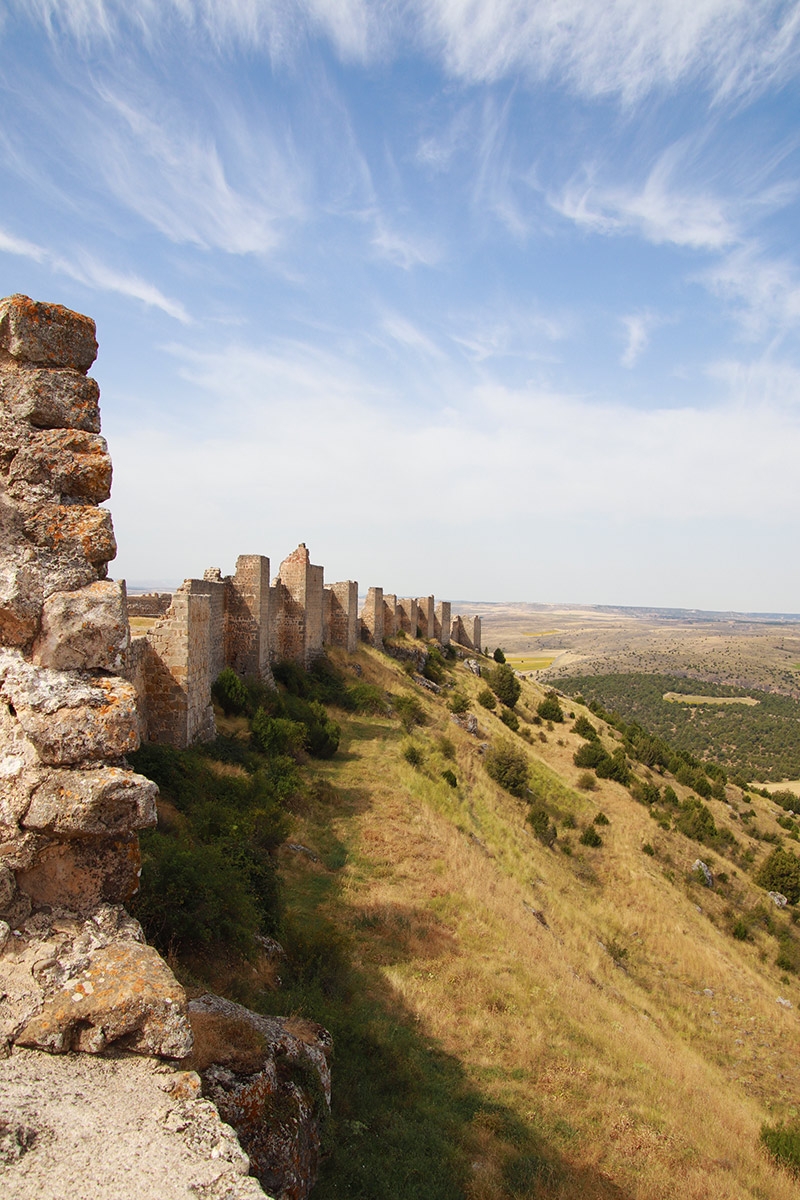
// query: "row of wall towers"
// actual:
[[246, 622]]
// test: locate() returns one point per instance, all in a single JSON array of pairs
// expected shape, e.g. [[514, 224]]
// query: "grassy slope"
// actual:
[[630, 1048]]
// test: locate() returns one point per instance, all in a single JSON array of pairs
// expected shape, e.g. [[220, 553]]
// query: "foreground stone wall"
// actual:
[[70, 808]]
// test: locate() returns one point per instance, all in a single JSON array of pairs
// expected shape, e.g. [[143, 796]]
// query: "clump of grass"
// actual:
[[782, 1141], [412, 754], [587, 781], [450, 778], [410, 712]]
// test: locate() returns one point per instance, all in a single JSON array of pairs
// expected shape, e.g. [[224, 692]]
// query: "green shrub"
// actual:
[[365, 698], [789, 954], [780, 872], [587, 781], [498, 656], [585, 729], [450, 777], [614, 766], [486, 697], [508, 766], [568, 821], [446, 746], [783, 1143], [591, 754], [413, 755], [230, 693], [410, 711], [277, 735], [510, 719], [590, 837], [458, 703], [740, 930], [648, 849], [601, 819], [696, 821], [434, 668], [541, 825], [670, 797], [504, 684], [549, 709]]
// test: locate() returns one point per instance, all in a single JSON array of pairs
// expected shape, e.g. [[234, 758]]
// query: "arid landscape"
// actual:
[[744, 650]]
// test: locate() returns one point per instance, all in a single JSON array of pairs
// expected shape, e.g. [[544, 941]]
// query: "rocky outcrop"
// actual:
[[75, 972], [270, 1079]]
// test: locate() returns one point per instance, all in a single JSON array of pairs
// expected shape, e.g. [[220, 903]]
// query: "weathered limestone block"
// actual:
[[71, 529], [94, 803], [70, 716], [127, 993], [51, 399], [84, 629], [56, 463], [20, 773], [85, 983], [46, 334], [20, 596], [268, 1101], [81, 873]]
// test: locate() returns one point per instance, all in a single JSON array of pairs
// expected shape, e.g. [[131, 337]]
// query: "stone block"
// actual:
[[20, 599], [96, 803], [68, 529], [84, 629], [56, 463], [51, 399], [125, 994], [46, 335], [81, 873]]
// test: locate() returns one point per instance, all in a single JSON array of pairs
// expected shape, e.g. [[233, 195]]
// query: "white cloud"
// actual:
[[638, 327], [660, 210], [765, 292], [86, 269], [403, 331], [620, 47], [403, 249]]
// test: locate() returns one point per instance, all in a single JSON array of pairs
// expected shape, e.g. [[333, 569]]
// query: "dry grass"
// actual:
[[681, 698], [631, 1031], [228, 1041]]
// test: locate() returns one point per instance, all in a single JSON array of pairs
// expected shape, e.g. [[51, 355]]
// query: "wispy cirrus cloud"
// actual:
[[623, 48], [763, 290], [85, 268], [403, 249], [638, 327]]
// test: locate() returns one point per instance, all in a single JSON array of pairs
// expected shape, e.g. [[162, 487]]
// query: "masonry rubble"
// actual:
[[75, 972], [245, 622]]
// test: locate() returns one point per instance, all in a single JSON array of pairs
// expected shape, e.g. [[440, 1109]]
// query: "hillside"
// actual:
[[517, 1014]]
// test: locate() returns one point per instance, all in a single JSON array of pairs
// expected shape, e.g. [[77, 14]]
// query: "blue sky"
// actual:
[[499, 300]]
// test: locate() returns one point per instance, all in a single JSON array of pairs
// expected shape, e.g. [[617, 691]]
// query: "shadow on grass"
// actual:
[[407, 1123]]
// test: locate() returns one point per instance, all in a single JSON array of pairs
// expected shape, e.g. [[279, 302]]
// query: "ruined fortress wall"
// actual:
[[247, 617], [149, 604], [407, 616], [441, 622], [175, 671], [477, 634], [426, 617], [70, 808], [459, 635], [341, 615], [299, 599], [389, 615], [372, 618]]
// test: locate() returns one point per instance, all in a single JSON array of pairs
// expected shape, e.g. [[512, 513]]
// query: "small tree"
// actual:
[[508, 766], [486, 697], [780, 872], [549, 709], [505, 684], [498, 656]]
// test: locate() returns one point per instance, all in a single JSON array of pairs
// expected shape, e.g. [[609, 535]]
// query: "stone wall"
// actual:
[[341, 615], [76, 973], [149, 604], [407, 616], [426, 623], [372, 618]]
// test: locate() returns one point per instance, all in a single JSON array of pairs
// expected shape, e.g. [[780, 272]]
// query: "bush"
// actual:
[[413, 755], [591, 754], [740, 930], [783, 1143], [410, 711], [365, 698], [541, 825], [648, 849], [446, 746], [780, 872], [696, 821], [277, 735], [510, 719], [486, 697], [450, 777], [614, 767], [587, 781], [601, 819], [590, 837], [507, 766], [549, 709], [230, 693], [458, 703], [504, 684], [434, 666], [498, 656], [585, 729]]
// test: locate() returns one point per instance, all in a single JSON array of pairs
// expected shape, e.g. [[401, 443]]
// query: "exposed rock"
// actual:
[[97, 1128], [56, 463], [46, 334], [701, 868], [473, 665], [79, 873], [87, 628], [276, 1100], [75, 983], [92, 803], [778, 900], [77, 531], [52, 399]]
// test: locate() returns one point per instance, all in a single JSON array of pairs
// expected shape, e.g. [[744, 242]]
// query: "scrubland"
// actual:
[[515, 1015]]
